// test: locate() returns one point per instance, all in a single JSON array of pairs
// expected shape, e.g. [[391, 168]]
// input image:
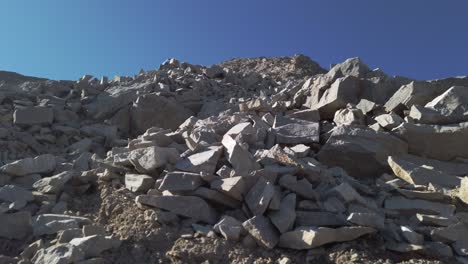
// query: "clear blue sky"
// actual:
[[64, 39]]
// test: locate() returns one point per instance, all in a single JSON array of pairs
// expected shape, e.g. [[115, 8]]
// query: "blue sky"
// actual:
[[65, 39]]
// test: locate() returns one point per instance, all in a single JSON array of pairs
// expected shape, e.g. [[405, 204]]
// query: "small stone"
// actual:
[[411, 236], [180, 181], [259, 196], [234, 187], [261, 229], [229, 227]]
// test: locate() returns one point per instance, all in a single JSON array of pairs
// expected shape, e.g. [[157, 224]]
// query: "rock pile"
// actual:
[[276, 152]]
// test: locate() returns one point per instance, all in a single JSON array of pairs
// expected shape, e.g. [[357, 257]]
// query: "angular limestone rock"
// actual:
[[188, 206], [285, 217], [389, 121], [39, 165], [409, 206], [33, 116], [367, 219], [149, 159], [93, 246], [417, 175], [261, 229], [241, 160], [234, 187], [365, 147], [205, 161], [312, 237], [54, 184], [138, 182], [259, 196], [180, 181], [229, 227]]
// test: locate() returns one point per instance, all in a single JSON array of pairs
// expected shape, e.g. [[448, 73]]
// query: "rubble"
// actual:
[[274, 152]]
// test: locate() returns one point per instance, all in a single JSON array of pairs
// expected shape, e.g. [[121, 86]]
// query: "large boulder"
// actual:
[[433, 141], [447, 108], [414, 93], [343, 91], [362, 152], [152, 110]]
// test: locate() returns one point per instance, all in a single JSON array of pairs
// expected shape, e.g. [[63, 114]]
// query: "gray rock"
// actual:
[[301, 187], [297, 133], [458, 168], [241, 160], [152, 110], [229, 227], [434, 220], [148, 160], [138, 182], [47, 224], [54, 184], [435, 142], [259, 196], [312, 237], [59, 254], [216, 197], [366, 147], [308, 115], [180, 181], [367, 219], [418, 175], [261, 229], [39, 165], [285, 217], [453, 233], [198, 209], [94, 245], [366, 106], [12, 193], [311, 218], [15, 225], [409, 206], [234, 187], [349, 116], [389, 121], [414, 93], [461, 247], [204, 161], [33, 116], [411, 236], [437, 249]]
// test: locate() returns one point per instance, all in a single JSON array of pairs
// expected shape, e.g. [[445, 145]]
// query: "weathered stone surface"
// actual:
[[312, 237], [13, 193], [389, 121], [343, 91], [435, 220], [15, 225], [180, 181], [33, 116], [458, 168], [311, 218], [418, 175], [297, 133], [414, 93], [149, 159], [436, 142], [409, 206], [448, 108], [198, 209], [39, 165], [259, 196], [456, 232], [59, 254], [463, 190], [285, 217], [234, 187], [216, 197], [366, 147], [411, 236], [308, 115], [349, 116], [302, 187], [93, 246], [261, 229], [241, 159], [229, 227], [366, 106], [138, 182], [367, 219], [47, 224], [204, 161], [54, 184], [153, 110]]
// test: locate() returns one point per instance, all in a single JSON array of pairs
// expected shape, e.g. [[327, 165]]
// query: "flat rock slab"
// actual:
[[241, 159], [297, 133], [261, 229], [204, 161], [311, 218], [285, 217], [234, 187], [39, 165], [188, 206], [180, 181], [418, 175], [37, 115], [312, 237], [259, 196], [216, 197], [409, 206]]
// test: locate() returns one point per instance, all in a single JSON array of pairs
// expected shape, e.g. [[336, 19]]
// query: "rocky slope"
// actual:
[[264, 160]]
